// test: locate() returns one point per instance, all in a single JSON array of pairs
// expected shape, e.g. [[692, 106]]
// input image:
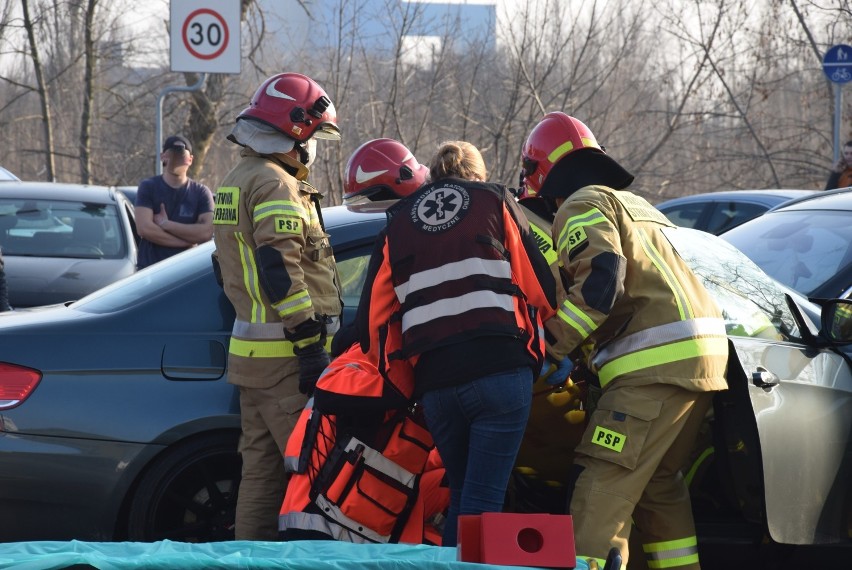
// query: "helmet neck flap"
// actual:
[[585, 167]]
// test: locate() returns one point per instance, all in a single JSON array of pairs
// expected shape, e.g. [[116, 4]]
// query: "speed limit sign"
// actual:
[[205, 36]]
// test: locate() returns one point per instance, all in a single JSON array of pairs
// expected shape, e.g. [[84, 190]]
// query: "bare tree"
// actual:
[[43, 93], [690, 96], [203, 119], [90, 58]]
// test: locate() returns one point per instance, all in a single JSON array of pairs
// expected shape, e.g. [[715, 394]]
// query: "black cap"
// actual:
[[177, 142]]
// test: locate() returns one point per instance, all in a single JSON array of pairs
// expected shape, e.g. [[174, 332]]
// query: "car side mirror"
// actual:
[[837, 321]]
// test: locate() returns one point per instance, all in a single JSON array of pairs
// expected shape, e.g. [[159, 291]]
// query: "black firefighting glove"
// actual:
[[308, 340]]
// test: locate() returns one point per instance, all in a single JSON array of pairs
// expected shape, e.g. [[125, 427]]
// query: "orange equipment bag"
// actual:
[[370, 489]]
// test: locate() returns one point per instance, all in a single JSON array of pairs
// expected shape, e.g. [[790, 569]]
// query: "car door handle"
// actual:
[[765, 379]]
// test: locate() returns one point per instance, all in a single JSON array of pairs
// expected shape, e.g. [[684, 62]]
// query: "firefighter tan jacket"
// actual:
[[277, 265], [629, 297]]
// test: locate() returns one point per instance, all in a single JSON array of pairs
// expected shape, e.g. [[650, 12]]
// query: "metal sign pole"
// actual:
[[837, 66], [158, 136], [838, 112]]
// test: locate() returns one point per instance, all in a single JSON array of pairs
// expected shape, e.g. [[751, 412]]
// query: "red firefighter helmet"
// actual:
[[554, 137], [295, 105], [382, 169]]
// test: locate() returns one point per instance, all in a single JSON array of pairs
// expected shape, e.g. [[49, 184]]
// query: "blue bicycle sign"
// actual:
[[837, 63]]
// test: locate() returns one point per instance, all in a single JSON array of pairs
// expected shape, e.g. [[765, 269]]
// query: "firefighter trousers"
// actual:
[[628, 465], [267, 416]]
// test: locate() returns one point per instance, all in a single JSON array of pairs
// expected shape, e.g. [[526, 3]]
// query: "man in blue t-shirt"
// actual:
[[173, 213]]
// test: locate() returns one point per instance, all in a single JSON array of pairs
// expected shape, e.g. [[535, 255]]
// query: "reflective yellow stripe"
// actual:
[[278, 207], [589, 218], [670, 544], [672, 553], [302, 343], [265, 348], [560, 151], [250, 279], [261, 348], [660, 334], [299, 301], [664, 354], [694, 468], [592, 562], [683, 305], [674, 562], [579, 321]]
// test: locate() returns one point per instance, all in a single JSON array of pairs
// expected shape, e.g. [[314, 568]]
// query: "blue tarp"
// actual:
[[297, 555]]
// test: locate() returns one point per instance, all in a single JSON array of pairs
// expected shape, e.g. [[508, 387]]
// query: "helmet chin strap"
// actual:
[[304, 156], [307, 151]]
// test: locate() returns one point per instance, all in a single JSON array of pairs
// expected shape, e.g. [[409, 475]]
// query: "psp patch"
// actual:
[[440, 208], [609, 439], [288, 225], [576, 238]]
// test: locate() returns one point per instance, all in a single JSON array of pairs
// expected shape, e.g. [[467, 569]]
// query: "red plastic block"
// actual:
[[517, 539], [469, 539]]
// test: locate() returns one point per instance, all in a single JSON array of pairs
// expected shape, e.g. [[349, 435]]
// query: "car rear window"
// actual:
[[60, 228], [727, 215]]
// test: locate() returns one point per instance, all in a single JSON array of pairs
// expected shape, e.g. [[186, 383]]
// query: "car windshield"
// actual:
[[60, 228], [800, 248], [752, 304]]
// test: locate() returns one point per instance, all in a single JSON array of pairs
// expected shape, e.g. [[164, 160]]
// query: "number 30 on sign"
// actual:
[[205, 36]]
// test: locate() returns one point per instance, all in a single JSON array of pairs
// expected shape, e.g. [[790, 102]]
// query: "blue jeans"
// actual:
[[477, 428]]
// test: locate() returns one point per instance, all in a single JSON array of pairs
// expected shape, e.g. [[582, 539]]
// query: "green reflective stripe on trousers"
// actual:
[[265, 348], [674, 562], [672, 553], [665, 354], [690, 475], [589, 559]]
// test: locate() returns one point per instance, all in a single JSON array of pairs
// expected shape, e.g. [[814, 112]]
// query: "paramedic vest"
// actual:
[[451, 268]]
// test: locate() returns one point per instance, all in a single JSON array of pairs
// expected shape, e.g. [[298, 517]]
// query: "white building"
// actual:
[[377, 24]]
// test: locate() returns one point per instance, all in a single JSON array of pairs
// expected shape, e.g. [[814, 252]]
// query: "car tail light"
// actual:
[[16, 384]]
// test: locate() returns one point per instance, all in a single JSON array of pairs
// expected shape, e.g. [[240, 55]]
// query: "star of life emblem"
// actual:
[[440, 208]]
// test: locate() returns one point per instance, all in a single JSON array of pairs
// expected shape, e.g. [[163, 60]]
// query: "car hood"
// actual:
[[35, 281]]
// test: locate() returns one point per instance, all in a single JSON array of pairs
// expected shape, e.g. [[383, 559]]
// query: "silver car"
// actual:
[[61, 242]]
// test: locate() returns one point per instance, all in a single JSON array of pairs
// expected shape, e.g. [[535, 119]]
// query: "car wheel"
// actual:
[[189, 494]]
